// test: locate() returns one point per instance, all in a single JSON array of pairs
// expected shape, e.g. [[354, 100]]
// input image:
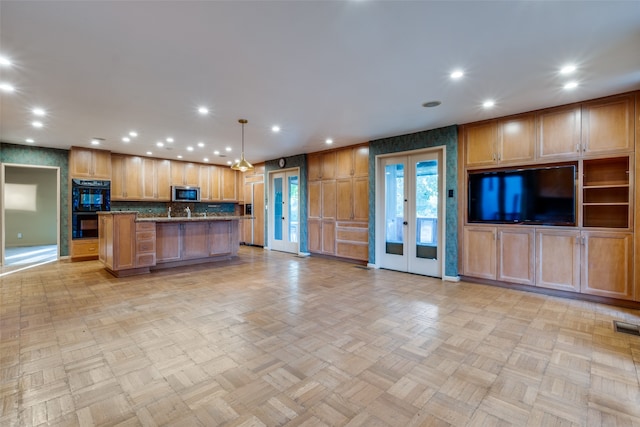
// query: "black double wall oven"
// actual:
[[88, 197]]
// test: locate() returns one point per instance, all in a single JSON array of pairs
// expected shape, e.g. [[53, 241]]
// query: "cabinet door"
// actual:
[[124, 250], [191, 174], [607, 260], [480, 143], [344, 163], [608, 125], [329, 165], [558, 259], [328, 237], [228, 185], [195, 240], [344, 205], [132, 178], [361, 199], [559, 132], [177, 172], [163, 179], [328, 199], [258, 213], [101, 164], [479, 259], [219, 238], [315, 199], [214, 182], [80, 162], [149, 179], [168, 242], [314, 227], [516, 255], [361, 161], [203, 183], [314, 167], [516, 141], [118, 178]]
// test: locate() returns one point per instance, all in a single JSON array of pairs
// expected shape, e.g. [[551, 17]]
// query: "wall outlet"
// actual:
[[19, 235]]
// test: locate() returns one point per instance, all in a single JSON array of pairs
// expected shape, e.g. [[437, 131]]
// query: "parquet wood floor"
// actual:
[[271, 339]]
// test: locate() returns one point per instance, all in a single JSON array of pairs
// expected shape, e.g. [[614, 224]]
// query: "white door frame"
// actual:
[[380, 202], [3, 230], [294, 247]]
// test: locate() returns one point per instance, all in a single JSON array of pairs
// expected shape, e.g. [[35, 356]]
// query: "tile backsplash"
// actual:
[[178, 209]]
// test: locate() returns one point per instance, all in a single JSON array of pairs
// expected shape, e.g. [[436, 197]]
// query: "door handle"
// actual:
[[405, 223]]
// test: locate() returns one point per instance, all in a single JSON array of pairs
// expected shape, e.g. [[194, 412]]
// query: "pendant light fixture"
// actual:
[[242, 165]]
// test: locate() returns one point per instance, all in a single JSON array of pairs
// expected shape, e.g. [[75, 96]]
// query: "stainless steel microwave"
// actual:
[[185, 194]]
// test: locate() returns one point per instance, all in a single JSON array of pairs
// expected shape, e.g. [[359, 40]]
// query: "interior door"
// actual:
[[285, 211], [412, 226]]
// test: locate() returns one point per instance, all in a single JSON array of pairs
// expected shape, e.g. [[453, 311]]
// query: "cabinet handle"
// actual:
[[499, 156], [578, 148], [493, 157]]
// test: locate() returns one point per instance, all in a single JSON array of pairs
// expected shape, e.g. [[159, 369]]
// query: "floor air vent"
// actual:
[[362, 267], [626, 328]]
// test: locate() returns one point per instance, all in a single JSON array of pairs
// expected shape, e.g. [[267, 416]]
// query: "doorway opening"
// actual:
[[30, 212], [284, 211]]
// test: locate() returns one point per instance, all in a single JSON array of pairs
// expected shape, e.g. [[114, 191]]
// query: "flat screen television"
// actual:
[[545, 195]]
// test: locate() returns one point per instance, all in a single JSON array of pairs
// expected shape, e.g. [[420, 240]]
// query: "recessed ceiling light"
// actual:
[[203, 110], [431, 104], [95, 141], [329, 141], [39, 112], [37, 124], [275, 128], [229, 162], [488, 103], [5, 62], [227, 149], [189, 148], [457, 74], [149, 153], [126, 139], [200, 144], [179, 156], [571, 85], [206, 159], [568, 69], [6, 87], [169, 139], [29, 140], [133, 134], [216, 152], [160, 144]]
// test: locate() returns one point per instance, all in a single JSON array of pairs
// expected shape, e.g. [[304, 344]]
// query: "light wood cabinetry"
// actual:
[[195, 240], [221, 241], [559, 132], [185, 173], [607, 264], [192, 241], [558, 259], [168, 242], [156, 179], [145, 244], [608, 125], [504, 141], [606, 192], [228, 188], [127, 174], [253, 233], [500, 253], [88, 163], [84, 249], [352, 162]]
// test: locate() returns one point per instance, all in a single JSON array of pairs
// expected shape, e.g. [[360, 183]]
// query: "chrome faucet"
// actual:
[[169, 212], [188, 212]]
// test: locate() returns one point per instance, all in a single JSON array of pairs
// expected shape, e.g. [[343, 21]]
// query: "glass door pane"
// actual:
[[277, 208], [426, 215], [293, 208], [394, 208]]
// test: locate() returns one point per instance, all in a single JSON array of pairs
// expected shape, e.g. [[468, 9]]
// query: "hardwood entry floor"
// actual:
[[271, 339]]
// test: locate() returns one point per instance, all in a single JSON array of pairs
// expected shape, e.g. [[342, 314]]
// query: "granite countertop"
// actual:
[[146, 217]]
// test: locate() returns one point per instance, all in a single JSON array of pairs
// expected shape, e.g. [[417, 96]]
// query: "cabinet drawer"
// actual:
[[81, 249], [352, 250], [146, 226], [145, 246], [145, 260], [146, 235], [352, 234]]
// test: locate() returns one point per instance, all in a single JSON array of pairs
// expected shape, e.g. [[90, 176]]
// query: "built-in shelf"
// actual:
[[605, 193]]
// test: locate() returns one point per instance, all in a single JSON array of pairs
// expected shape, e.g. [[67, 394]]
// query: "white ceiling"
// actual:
[[353, 70]]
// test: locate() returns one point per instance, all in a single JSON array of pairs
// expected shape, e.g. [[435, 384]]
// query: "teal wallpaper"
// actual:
[[299, 161], [38, 156], [447, 136]]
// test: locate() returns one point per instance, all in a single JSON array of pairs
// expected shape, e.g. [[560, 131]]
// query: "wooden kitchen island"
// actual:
[[129, 244]]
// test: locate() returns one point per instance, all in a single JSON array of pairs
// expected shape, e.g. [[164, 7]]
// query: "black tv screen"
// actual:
[[536, 196]]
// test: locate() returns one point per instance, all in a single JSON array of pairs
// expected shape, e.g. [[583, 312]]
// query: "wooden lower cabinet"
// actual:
[[322, 236], [117, 241], [500, 253], [84, 249], [168, 245], [195, 240], [607, 264], [558, 259], [352, 240], [145, 244]]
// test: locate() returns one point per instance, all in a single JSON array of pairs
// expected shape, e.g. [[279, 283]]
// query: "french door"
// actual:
[[285, 211], [411, 213]]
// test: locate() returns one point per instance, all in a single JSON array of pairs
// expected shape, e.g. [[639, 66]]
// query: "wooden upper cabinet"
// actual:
[[163, 179], [559, 132], [608, 125], [361, 198], [329, 165], [480, 141], [88, 163], [344, 201], [352, 161], [185, 173], [127, 177], [516, 139], [328, 199], [204, 182], [314, 167], [228, 188], [214, 182]]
